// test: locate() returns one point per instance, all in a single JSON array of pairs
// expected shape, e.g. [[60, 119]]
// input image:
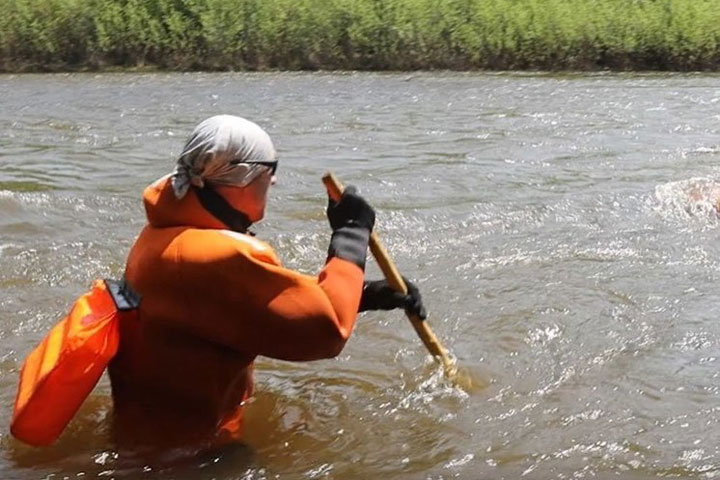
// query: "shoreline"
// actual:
[[154, 69]]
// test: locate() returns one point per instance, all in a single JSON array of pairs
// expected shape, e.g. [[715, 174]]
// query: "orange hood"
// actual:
[[164, 210]]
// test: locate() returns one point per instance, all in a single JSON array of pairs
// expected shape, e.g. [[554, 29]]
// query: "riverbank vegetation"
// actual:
[[359, 34]]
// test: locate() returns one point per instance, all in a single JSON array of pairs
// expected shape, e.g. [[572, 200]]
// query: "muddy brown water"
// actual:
[[558, 226]]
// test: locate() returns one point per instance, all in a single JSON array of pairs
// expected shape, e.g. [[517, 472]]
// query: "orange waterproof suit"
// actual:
[[211, 301]]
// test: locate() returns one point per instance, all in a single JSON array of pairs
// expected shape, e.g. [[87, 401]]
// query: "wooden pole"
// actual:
[[395, 280]]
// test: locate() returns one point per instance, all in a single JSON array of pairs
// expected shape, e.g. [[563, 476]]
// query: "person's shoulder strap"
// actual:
[[125, 298], [214, 203]]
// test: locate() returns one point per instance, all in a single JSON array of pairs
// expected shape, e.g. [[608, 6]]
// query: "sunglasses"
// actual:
[[271, 165]]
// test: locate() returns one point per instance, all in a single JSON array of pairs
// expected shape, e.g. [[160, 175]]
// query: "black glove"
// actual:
[[351, 220], [352, 209], [378, 295]]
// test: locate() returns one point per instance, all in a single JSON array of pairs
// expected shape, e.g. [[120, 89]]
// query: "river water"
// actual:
[[560, 227]]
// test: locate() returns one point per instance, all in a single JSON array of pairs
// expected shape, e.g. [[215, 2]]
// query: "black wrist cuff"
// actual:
[[350, 243]]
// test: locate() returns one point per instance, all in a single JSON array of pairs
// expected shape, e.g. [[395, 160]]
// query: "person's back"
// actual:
[[212, 298], [171, 385]]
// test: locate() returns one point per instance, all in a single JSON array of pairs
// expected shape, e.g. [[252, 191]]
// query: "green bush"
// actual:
[[360, 34]]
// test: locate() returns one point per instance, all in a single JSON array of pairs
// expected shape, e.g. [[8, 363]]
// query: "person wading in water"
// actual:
[[213, 297]]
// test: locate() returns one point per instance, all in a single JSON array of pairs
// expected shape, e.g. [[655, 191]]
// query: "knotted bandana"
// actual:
[[223, 150]]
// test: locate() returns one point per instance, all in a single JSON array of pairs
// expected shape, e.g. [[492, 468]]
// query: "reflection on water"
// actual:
[[562, 228]]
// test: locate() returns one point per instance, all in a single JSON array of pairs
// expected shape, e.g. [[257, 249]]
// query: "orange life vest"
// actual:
[[212, 300]]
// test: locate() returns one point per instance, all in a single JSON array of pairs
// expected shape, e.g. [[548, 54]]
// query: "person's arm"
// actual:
[[264, 309], [301, 317], [322, 329]]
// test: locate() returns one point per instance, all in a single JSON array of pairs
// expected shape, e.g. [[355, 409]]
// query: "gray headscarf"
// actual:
[[222, 150]]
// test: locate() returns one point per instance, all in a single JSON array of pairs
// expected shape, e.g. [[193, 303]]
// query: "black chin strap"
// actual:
[[214, 203]]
